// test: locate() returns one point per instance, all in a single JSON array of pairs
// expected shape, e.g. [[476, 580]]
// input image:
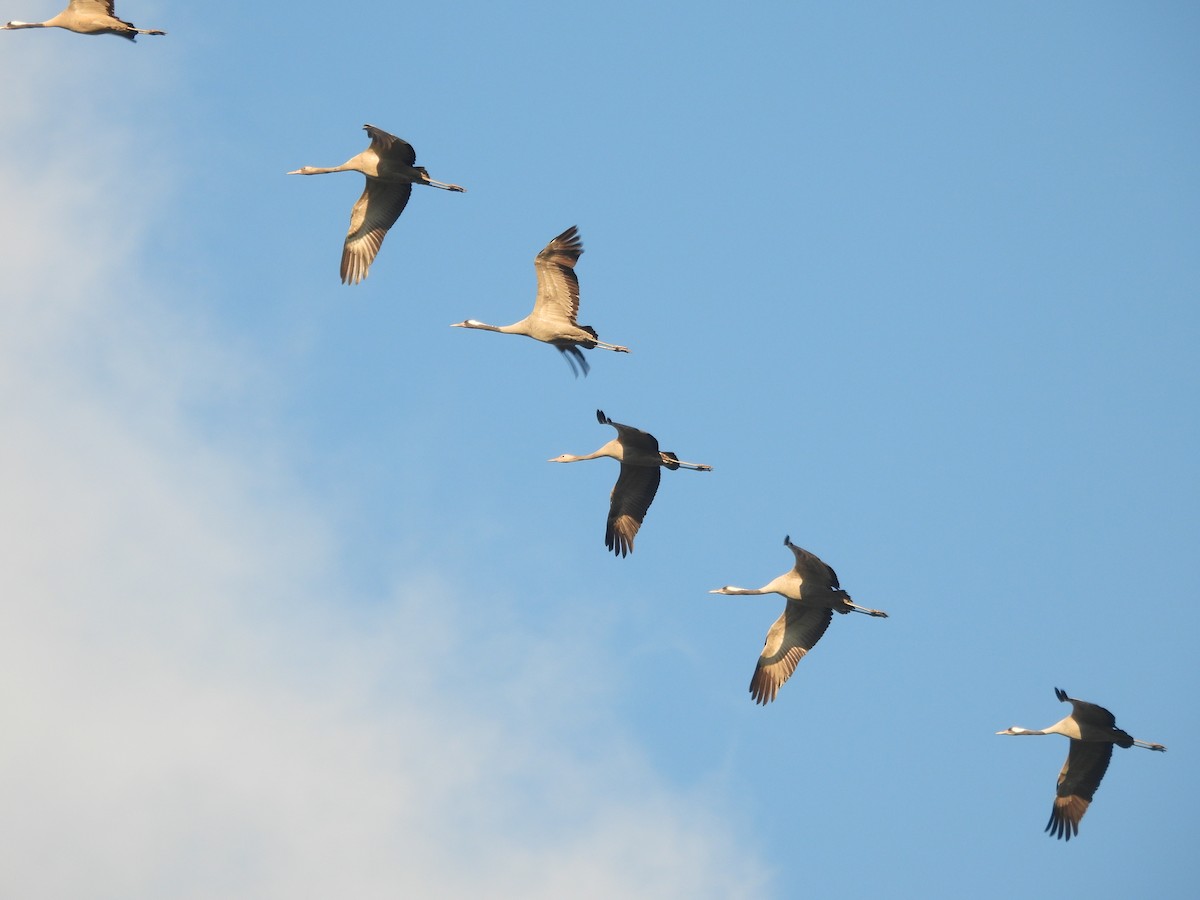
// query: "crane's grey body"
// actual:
[[556, 309], [389, 166], [813, 596], [641, 464], [87, 17], [1093, 732]]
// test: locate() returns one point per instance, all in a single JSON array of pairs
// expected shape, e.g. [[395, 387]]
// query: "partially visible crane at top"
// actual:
[[88, 17]]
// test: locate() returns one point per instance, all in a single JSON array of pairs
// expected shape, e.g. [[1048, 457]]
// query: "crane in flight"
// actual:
[[556, 308], [1093, 732], [641, 469], [813, 595], [88, 17], [389, 165]]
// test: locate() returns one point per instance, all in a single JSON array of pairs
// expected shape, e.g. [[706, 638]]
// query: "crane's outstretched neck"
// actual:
[[569, 457], [740, 591], [13, 26], [317, 170], [473, 323]]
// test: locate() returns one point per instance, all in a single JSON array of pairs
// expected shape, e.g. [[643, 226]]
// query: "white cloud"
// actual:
[[195, 705]]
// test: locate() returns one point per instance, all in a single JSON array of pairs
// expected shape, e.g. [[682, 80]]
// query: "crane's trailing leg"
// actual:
[[441, 184], [671, 461], [879, 613], [618, 348]]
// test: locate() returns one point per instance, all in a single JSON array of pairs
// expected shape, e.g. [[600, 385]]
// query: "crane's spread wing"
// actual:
[[558, 286], [1087, 761], [630, 437], [93, 6], [391, 146], [794, 633], [811, 569], [375, 212], [631, 497], [1088, 713]]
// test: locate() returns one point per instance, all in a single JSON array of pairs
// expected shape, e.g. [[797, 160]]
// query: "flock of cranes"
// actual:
[[811, 587]]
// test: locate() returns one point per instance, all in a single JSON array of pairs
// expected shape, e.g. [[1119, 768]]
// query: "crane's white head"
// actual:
[[1017, 729]]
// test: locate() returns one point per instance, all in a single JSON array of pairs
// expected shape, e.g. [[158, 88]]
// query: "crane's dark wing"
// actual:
[[632, 438], [811, 569], [631, 497], [1087, 761], [558, 286], [375, 212], [1088, 713], [793, 635], [390, 146]]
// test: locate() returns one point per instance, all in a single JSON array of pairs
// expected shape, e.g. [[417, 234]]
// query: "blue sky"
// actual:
[[292, 603]]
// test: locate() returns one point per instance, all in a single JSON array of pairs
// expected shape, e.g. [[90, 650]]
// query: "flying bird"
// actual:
[[641, 463], [87, 17], [813, 595], [388, 165], [553, 320], [1093, 731]]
